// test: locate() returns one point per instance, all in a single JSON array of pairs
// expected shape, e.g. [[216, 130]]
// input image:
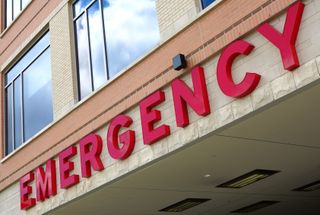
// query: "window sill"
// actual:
[[7, 157]]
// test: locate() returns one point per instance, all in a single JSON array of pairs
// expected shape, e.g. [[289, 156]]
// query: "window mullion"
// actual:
[[77, 17], [104, 41], [20, 125], [22, 109], [12, 9], [84, 9], [89, 50], [13, 118]]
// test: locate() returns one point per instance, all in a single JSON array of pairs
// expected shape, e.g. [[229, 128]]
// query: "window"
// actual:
[[206, 3], [13, 8], [28, 97], [110, 35]]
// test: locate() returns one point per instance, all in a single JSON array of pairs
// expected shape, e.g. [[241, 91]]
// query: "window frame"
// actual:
[[202, 4], [7, 84], [74, 19], [4, 16], [88, 79]]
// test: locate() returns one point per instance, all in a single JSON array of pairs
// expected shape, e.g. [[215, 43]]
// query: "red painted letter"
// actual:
[[127, 138], [224, 72], [90, 150], [183, 95], [46, 182], [286, 41], [149, 117], [25, 191], [66, 167]]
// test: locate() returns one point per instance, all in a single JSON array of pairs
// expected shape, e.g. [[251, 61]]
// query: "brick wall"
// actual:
[[173, 15], [62, 63]]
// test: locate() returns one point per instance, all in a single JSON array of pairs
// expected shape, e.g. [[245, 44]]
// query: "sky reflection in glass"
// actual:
[[37, 95], [28, 95], [127, 31], [131, 31]]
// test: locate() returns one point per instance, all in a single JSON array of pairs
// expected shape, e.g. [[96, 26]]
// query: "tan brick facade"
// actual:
[[63, 67], [173, 15]]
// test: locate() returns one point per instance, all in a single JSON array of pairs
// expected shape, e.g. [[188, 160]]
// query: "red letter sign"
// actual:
[[127, 138], [66, 167], [149, 117], [25, 191], [198, 100], [286, 41], [46, 182], [224, 72], [90, 150]]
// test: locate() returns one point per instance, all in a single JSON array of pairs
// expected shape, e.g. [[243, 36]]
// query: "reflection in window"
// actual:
[[206, 3], [28, 95], [110, 35], [13, 8]]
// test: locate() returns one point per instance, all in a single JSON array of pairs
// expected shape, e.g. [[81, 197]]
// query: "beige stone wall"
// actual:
[[10, 200], [63, 68], [173, 15]]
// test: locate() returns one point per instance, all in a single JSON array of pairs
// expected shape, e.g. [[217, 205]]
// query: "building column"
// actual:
[[63, 66], [174, 15]]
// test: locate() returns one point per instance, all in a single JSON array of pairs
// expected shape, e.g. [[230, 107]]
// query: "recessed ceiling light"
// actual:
[[248, 178], [184, 205], [207, 176], [255, 206], [309, 187]]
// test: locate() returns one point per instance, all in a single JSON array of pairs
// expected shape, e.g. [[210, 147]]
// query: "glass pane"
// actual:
[[9, 120], [28, 58], [24, 3], [37, 95], [8, 12], [131, 30], [17, 113], [206, 3], [83, 56], [79, 6], [16, 8], [97, 45]]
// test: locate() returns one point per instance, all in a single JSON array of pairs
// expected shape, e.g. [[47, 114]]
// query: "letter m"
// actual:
[[46, 181]]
